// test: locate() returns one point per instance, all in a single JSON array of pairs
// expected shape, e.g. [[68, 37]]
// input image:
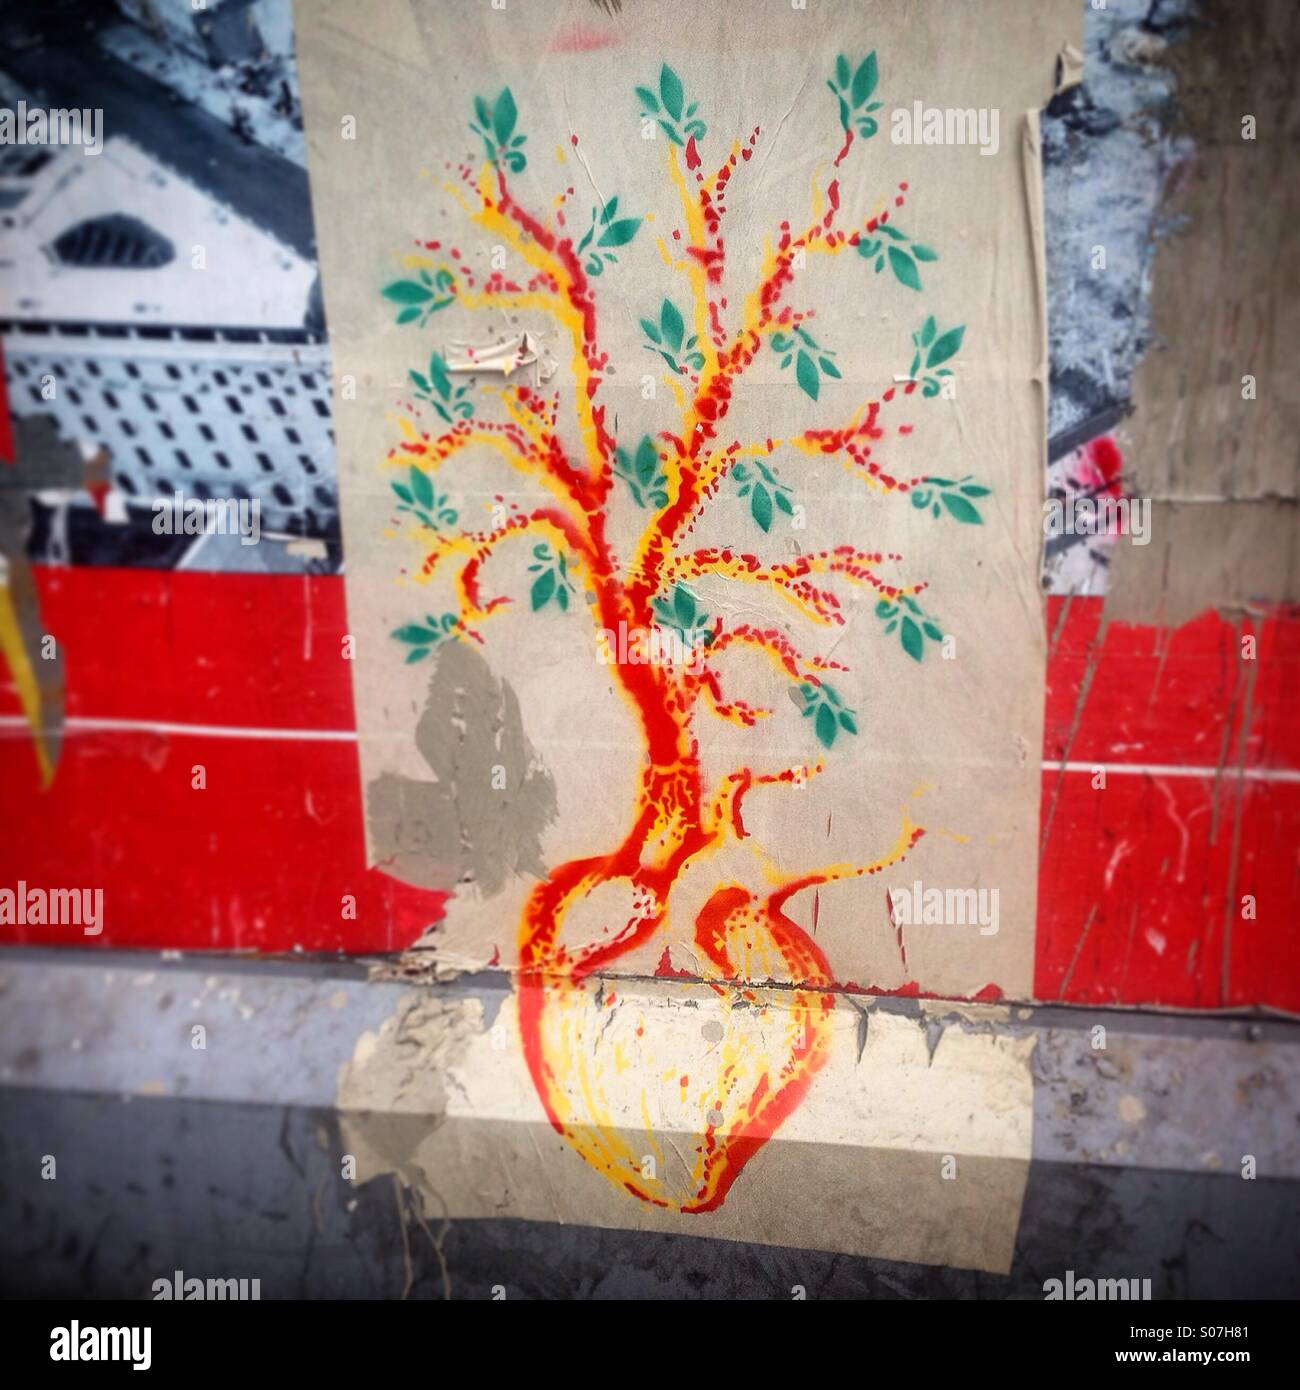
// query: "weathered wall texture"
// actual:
[[1223, 469]]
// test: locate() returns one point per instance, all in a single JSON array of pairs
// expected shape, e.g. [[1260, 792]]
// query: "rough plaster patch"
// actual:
[[393, 1091], [480, 820]]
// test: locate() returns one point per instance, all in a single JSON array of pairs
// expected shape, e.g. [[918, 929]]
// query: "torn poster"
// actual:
[[723, 655], [504, 358]]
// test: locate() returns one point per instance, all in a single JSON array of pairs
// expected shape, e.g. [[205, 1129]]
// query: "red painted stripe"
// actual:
[[1137, 879], [1140, 880], [1136, 889], [198, 648], [260, 859], [1161, 695]]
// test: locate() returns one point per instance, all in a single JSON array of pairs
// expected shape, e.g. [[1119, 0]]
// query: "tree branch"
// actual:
[[789, 579]]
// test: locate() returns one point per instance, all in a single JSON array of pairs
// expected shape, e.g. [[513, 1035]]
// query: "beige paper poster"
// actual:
[[690, 366]]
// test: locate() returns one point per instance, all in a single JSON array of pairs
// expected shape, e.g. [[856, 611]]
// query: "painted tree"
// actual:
[[669, 478]]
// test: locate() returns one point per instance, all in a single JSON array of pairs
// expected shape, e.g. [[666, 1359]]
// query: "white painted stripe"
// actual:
[[158, 726], [1251, 774]]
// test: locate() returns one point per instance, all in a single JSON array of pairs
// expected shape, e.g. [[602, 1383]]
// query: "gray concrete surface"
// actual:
[[226, 1163]]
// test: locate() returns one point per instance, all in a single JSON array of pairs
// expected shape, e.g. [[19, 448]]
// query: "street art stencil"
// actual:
[[706, 341], [691, 475]]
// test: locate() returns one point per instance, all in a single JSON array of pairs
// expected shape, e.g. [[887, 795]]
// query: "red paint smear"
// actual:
[[582, 38], [1101, 464], [664, 970]]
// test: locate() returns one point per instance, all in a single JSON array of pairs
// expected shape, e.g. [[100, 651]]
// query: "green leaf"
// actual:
[[562, 598], [670, 91], [891, 232], [484, 113], [923, 253], [864, 80], [651, 331], [648, 100], [904, 267], [407, 315], [647, 461], [419, 381], [805, 370], [671, 322], [403, 492], [913, 642], [931, 631], [416, 654], [783, 502], [414, 632], [421, 487], [975, 490], [847, 722], [684, 606], [827, 725], [961, 508], [760, 504], [842, 71], [504, 116], [407, 292], [829, 367], [608, 211], [543, 588], [620, 233], [928, 329], [946, 347]]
